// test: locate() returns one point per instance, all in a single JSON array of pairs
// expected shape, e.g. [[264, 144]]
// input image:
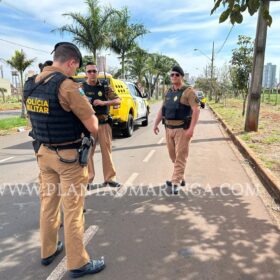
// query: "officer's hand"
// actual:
[[99, 103], [156, 130], [189, 133]]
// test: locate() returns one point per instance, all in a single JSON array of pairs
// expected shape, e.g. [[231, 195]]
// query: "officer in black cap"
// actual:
[[61, 117], [179, 113]]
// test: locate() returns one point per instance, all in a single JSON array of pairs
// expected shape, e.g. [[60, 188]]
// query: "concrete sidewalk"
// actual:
[[218, 228]]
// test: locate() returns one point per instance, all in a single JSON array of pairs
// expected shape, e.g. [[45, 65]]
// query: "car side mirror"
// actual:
[[145, 95]]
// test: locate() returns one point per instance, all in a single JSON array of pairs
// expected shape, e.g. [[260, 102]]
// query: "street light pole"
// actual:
[[212, 66], [1, 67], [212, 70]]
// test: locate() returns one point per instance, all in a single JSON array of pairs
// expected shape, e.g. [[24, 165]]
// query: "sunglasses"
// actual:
[[174, 75], [91, 71]]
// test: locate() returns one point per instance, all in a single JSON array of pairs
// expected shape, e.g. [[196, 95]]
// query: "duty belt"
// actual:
[[103, 121], [174, 126], [63, 147]]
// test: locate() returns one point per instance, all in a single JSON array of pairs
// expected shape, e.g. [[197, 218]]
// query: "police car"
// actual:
[[134, 107]]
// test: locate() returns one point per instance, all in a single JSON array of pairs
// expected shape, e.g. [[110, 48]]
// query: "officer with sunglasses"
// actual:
[[60, 117], [179, 113], [101, 96]]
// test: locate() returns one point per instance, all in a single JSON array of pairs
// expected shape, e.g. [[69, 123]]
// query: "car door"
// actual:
[[141, 102], [135, 99]]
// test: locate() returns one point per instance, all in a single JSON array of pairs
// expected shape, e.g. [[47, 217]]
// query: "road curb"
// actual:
[[269, 180]]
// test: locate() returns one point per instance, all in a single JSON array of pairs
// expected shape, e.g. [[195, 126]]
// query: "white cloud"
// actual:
[[186, 26], [191, 19]]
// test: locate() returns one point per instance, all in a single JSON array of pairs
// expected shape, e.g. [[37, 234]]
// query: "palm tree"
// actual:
[[137, 64], [20, 62], [124, 35], [90, 31], [3, 90], [158, 66]]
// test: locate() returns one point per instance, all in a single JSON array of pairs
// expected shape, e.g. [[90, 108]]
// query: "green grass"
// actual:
[[270, 99], [9, 123], [265, 142], [271, 140], [246, 137], [11, 103]]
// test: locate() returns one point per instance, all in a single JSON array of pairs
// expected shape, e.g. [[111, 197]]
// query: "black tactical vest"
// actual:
[[50, 123], [96, 92], [173, 109]]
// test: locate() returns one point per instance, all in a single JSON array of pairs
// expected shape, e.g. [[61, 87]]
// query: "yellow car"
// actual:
[[202, 99], [134, 107]]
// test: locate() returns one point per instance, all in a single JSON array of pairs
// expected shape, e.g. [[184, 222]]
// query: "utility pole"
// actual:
[[212, 71], [254, 97], [1, 67]]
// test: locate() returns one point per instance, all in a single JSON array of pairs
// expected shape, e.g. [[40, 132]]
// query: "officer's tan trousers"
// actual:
[[104, 139], [67, 183], [178, 148]]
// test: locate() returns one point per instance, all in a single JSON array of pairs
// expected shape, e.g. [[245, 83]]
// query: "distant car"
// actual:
[[200, 95]]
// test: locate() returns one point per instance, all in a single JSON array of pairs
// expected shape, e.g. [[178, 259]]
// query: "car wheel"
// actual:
[[128, 131], [146, 121]]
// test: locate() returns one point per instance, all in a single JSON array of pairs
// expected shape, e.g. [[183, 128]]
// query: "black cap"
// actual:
[[72, 46], [178, 69]]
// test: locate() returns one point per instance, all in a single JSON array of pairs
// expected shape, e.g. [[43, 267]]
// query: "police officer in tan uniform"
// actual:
[[60, 118], [179, 112], [101, 97]]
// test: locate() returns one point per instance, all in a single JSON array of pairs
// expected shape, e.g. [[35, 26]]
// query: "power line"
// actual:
[[24, 12], [225, 40], [27, 47]]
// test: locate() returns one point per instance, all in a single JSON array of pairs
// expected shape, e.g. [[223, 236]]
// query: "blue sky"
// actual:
[[176, 28]]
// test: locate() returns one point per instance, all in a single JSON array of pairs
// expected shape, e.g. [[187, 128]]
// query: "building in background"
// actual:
[[269, 76], [187, 77], [4, 83], [101, 63]]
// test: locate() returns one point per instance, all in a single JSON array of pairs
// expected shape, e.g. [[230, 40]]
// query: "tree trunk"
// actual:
[[244, 102], [3, 95], [254, 98], [94, 57], [22, 97], [122, 58]]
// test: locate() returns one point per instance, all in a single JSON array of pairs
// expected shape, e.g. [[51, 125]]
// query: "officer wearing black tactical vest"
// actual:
[[179, 113], [61, 119], [101, 96]]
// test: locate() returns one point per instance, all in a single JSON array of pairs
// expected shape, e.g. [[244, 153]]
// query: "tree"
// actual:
[[91, 31], [157, 65], [86, 59], [3, 90], [234, 10], [20, 62], [242, 62], [124, 35], [137, 64]]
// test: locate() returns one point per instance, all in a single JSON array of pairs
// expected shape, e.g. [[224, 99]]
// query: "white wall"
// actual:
[[4, 83]]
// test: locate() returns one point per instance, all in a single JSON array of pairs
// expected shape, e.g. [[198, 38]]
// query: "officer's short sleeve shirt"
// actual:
[[189, 97]]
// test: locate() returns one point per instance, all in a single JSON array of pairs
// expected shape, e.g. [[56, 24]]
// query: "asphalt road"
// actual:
[[217, 228], [8, 114]]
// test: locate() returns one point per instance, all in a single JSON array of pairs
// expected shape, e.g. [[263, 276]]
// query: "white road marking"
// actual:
[[61, 269], [150, 154], [5, 159], [160, 141], [128, 183]]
